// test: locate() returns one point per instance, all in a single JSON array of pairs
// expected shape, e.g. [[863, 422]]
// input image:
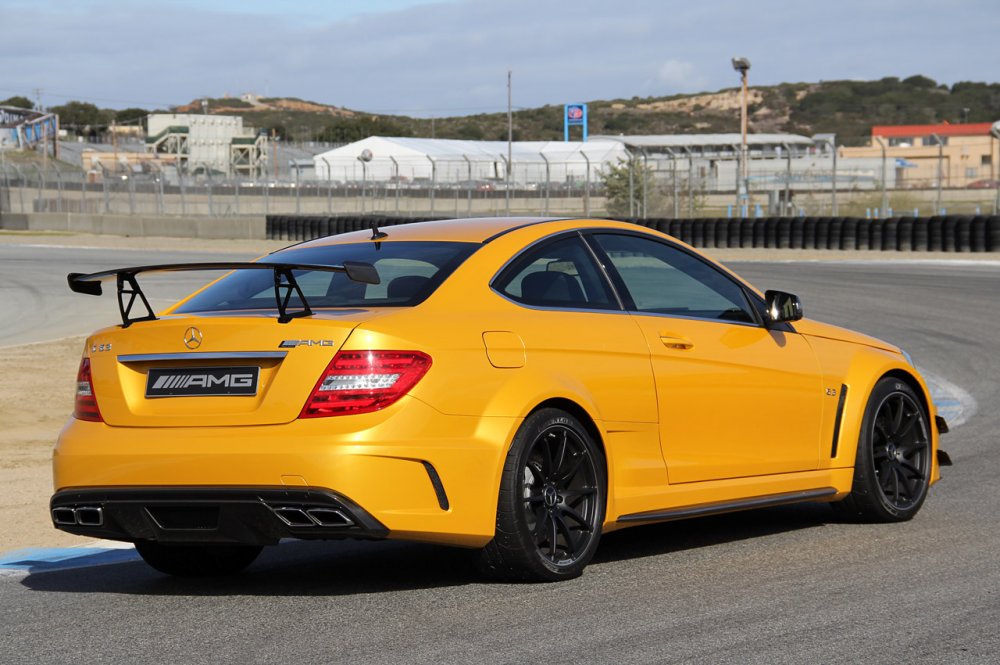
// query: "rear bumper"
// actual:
[[249, 516], [421, 474]]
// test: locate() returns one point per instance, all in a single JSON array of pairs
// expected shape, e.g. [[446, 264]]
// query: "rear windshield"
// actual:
[[408, 272]]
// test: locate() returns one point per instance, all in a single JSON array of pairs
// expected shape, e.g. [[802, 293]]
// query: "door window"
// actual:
[[662, 279]]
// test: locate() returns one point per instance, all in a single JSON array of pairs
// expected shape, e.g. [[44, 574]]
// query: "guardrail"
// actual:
[[951, 233]]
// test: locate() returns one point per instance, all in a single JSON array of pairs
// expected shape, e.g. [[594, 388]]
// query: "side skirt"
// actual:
[[729, 506]]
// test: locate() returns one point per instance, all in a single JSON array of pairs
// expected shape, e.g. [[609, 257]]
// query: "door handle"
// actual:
[[676, 342]]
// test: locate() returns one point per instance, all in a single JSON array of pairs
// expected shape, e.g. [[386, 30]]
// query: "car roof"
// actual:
[[475, 229]]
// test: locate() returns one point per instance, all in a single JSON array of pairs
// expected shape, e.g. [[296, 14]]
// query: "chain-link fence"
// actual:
[[810, 184]]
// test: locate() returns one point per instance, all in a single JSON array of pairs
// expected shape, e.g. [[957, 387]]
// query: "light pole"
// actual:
[[995, 131], [742, 65]]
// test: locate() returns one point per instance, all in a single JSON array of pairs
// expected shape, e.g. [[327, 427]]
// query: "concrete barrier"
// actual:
[[226, 228]]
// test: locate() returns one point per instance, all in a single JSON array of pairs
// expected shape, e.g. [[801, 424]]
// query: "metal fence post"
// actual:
[[104, 186], [131, 194], [885, 195], [41, 185], [586, 193], [433, 180], [59, 188], [548, 180], [180, 181], [208, 184], [298, 188], [690, 195], [329, 186], [20, 186], [940, 173], [236, 195], [468, 186]]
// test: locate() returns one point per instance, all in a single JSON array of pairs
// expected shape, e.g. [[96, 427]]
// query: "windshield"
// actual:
[[408, 271]]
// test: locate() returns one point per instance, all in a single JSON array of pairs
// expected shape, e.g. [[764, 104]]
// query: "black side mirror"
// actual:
[[782, 307]]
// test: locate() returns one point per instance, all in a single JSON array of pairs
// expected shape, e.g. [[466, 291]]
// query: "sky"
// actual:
[[445, 58]]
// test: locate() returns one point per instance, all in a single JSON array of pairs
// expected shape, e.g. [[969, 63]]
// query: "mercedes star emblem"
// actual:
[[192, 338]]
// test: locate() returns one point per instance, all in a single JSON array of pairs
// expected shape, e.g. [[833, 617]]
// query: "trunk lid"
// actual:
[[214, 370]]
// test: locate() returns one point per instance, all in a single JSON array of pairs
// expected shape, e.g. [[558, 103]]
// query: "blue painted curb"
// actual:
[[46, 559]]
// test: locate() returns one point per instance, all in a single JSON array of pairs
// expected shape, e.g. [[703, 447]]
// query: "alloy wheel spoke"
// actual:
[[907, 484], [907, 426], [916, 474], [539, 531], [562, 452], [546, 447], [575, 496], [571, 541], [575, 461], [897, 417], [554, 537], [574, 515]]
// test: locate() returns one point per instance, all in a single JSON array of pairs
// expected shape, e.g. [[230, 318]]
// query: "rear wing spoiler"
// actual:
[[129, 291]]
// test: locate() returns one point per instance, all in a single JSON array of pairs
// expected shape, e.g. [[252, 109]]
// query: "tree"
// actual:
[[81, 115], [131, 116], [18, 101], [630, 177]]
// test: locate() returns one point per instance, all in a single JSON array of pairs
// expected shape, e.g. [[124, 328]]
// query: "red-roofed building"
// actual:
[[967, 153]]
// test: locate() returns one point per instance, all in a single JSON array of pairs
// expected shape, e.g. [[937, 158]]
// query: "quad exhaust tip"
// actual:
[[82, 516], [308, 517]]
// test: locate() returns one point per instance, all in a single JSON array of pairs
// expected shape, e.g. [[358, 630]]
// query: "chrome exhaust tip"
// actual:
[[329, 517], [90, 516], [64, 516], [293, 516]]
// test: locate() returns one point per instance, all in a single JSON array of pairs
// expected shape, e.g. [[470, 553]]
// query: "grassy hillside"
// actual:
[[847, 108]]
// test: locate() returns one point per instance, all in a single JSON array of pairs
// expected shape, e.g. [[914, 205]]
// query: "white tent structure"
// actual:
[[449, 161]]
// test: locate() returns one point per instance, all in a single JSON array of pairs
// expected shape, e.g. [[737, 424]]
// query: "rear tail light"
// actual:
[[365, 381], [86, 401]]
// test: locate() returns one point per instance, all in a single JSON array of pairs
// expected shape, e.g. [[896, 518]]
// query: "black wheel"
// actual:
[[892, 469], [551, 505], [197, 560]]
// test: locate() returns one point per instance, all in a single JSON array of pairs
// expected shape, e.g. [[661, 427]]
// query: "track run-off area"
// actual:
[[787, 584]]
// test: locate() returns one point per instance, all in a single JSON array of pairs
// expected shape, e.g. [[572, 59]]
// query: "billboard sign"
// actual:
[[574, 115]]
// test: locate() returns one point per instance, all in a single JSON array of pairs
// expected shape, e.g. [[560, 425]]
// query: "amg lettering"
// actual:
[[292, 343]]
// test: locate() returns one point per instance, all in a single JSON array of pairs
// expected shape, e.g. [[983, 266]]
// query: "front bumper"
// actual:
[[249, 516]]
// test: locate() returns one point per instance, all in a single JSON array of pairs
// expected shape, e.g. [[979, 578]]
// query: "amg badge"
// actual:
[[202, 381]]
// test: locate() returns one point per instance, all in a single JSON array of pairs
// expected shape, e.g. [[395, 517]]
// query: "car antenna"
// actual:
[[376, 234]]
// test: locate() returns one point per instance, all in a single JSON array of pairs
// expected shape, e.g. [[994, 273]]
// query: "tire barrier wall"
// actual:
[[952, 233]]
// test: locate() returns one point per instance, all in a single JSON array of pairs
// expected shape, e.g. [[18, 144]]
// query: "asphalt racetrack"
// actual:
[[786, 584]]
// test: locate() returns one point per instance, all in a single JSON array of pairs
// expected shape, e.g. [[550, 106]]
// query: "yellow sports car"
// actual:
[[520, 386]]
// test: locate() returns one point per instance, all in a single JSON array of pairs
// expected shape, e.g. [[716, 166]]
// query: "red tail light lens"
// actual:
[[365, 381], [86, 401]]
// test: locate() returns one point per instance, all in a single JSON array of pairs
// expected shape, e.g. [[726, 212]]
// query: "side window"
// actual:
[[557, 274], [665, 280]]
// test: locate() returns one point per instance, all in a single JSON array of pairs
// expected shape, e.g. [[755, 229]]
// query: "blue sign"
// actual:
[[574, 114]]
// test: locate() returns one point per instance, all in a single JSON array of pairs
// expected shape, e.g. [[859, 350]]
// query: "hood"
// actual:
[[827, 331]]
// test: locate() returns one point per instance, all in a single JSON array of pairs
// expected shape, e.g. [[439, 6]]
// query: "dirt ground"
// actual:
[[37, 380], [36, 399]]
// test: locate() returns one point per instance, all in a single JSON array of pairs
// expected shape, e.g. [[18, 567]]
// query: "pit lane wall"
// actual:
[[226, 228]]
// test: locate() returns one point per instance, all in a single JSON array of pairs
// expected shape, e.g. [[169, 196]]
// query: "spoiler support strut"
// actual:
[[285, 285]]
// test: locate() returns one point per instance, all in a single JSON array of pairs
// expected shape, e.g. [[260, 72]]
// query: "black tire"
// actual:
[[893, 465], [197, 560], [550, 510]]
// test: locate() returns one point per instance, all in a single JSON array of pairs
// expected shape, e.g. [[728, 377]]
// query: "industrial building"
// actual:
[[962, 155], [208, 143]]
